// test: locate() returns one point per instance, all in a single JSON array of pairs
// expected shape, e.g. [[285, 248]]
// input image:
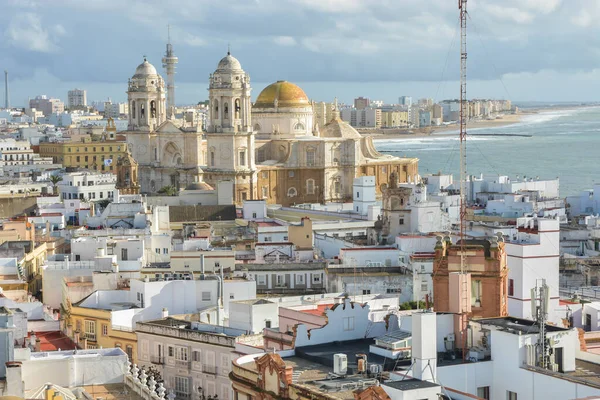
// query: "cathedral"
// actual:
[[272, 149]]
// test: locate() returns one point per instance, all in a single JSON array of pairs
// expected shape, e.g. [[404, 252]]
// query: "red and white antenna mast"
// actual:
[[463, 114]]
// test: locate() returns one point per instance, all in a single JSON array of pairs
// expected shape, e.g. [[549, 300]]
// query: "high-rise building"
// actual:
[[115, 110], [405, 101], [361, 103], [363, 118], [77, 98], [47, 105]]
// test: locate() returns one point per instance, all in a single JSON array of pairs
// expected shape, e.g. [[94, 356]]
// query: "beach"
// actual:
[[504, 120]]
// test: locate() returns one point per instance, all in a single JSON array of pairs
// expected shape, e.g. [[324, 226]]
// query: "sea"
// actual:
[[564, 143]]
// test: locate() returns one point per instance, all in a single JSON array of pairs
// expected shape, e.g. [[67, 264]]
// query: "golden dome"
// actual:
[[282, 94]]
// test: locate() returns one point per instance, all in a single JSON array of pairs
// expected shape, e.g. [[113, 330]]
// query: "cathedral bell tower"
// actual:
[[230, 139], [146, 97], [127, 175]]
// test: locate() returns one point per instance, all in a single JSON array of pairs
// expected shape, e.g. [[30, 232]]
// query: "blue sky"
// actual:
[[518, 49]]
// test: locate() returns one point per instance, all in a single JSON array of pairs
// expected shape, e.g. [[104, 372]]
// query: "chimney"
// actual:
[[14, 380], [165, 312], [424, 348], [38, 346]]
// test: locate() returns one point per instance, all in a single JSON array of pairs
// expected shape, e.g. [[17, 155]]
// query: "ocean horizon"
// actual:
[[562, 144]]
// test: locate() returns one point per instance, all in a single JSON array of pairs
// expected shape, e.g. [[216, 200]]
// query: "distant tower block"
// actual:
[[6, 93], [169, 61]]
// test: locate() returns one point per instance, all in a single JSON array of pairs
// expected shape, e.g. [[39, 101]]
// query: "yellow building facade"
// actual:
[[86, 154], [394, 119], [93, 328]]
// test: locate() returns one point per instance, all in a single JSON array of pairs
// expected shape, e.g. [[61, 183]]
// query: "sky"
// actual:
[[524, 50]]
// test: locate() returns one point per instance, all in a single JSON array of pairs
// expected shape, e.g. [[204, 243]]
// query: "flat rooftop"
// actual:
[[410, 384], [518, 325]]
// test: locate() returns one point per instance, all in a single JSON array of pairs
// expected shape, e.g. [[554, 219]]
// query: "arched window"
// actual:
[[237, 108], [153, 109], [299, 127], [337, 187], [216, 108], [225, 111], [142, 110], [310, 186], [132, 108], [292, 192], [257, 127], [212, 156], [282, 152]]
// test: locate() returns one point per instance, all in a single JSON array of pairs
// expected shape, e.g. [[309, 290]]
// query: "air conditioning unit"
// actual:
[[375, 369], [451, 337], [340, 364]]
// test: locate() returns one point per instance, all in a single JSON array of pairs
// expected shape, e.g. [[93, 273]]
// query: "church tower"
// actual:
[[127, 175], [230, 138], [146, 97]]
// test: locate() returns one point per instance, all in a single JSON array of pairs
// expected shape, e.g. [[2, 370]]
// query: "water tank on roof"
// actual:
[[340, 364]]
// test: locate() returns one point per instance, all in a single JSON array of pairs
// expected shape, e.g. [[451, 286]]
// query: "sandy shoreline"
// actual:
[[505, 120]]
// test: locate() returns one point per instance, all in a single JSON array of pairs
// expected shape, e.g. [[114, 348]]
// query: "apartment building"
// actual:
[[98, 156]]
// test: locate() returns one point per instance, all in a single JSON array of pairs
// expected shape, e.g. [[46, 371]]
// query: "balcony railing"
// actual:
[[209, 369], [183, 364], [89, 336], [160, 360]]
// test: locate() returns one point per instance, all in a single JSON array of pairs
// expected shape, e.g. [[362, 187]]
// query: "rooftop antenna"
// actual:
[[228, 49], [462, 6], [169, 62], [540, 297]]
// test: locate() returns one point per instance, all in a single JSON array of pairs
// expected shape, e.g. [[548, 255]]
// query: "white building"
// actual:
[[480, 188], [417, 255], [19, 153], [88, 185], [364, 196], [47, 105], [587, 202], [77, 98], [190, 355], [115, 110], [533, 254], [363, 118]]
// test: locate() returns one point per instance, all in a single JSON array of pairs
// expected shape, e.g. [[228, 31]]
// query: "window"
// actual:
[[196, 356], [357, 195], [310, 186], [292, 192], [476, 293], [157, 250], [291, 174], [280, 280], [285, 239], [102, 193], [300, 279], [129, 351], [310, 157], [165, 250], [124, 254], [424, 287], [268, 323], [181, 353], [206, 296], [253, 215], [242, 158], [104, 330], [511, 395], [261, 279], [366, 291], [171, 351], [90, 330], [511, 287], [182, 386], [393, 290], [348, 323], [401, 221], [316, 278], [231, 296], [483, 392], [217, 264]]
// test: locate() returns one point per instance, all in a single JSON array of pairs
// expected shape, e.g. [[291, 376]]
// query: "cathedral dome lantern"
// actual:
[[146, 96]]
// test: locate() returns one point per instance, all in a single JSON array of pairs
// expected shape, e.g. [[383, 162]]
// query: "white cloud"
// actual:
[[194, 41], [25, 30], [509, 13], [335, 6], [285, 41], [543, 6]]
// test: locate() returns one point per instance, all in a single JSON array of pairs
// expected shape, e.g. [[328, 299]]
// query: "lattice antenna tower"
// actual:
[[462, 7]]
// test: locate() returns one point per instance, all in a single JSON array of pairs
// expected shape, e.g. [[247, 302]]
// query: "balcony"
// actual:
[[183, 364], [209, 369], [89, 336], [159, 360]]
